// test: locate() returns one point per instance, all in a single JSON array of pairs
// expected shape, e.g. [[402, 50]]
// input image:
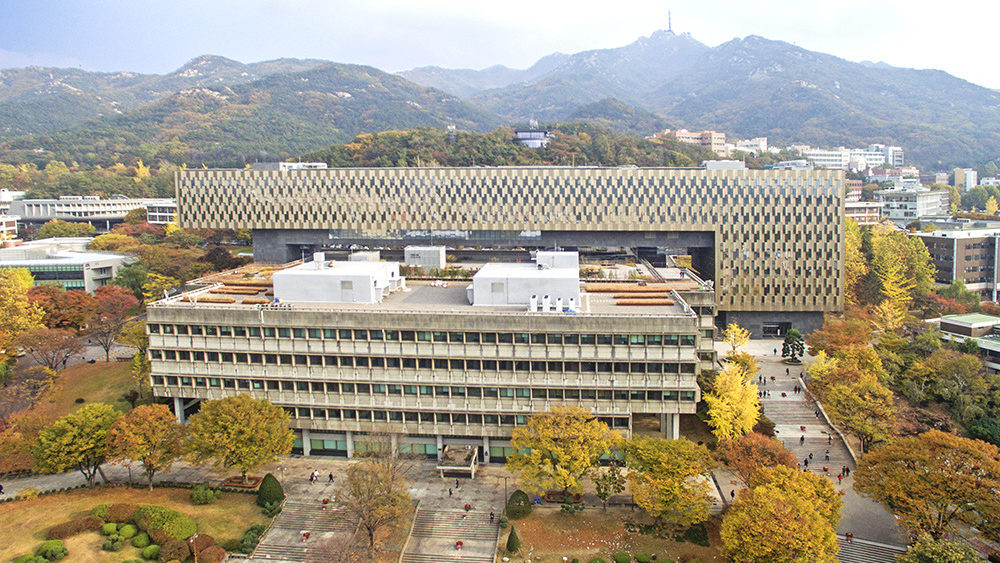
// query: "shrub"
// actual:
[[201, 494], [100, 511], [200, 542], [697, 535], [127, 532], [212, 554], [111, 544], [132, 561], [503, 522], [159, 537], [642, 558], [270, 491], [519, 505], [122, 512], [30, 558], [28, 494], [109, 528], [73, 527], [174, 550], [513, 542], [251, 537], [597, 560], [151, 552], [271, 509], [164, 524], [51, 550], [621, 557], [141, 540]]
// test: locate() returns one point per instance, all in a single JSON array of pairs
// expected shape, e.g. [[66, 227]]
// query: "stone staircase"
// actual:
[[474, 529], [295, 517], [863, 551]]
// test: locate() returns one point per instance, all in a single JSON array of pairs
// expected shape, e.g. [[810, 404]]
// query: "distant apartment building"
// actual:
[[709, 139], [801, 164], [990, 181], [905, 205], [966, 179], [842, 158], [8, 227], [161, 211], [65, 261], [982, 329], [102, 213], [533, 138], [756, 146], [966, 252], [941, 178], [864, 213], [853, 190]]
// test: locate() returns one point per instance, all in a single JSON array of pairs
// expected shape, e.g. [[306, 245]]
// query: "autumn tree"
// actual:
[[736, 336], [76, 441], [838, 335], [149, 434], [373, 497], [930, 480], [63, 309], [768, 523], [239, 432], [156, 285], [113, 306], [866, 409], [19, 313], [59, 228], [667, 479], [114, 242], [608, 482], [992, 206], [134, 334], [855, 264], [50, 347], [558, 448], [733, 404], [750, 453], [929, 550]]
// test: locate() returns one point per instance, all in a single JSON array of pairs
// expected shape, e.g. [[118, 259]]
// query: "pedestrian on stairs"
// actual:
[[802, 440], [450, 493], [786, 371], [456, 484], [840, 478], [829, 439], [492, 516], [827, 455], [850, 537]]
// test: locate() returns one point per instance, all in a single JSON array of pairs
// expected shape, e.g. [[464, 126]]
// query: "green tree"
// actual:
[[866, 409], [513, 542], [19, 313], [733, 404], [239, 432], [794, 346], [609, 482], [76, 441], [930, 480], [929, 550], [668, 479], [149, 434], [558, 448], [132, 277]]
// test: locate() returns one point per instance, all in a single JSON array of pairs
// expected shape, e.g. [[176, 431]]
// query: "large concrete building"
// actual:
[[460, 364], [64, 261], [102, 213], [772, 241], [905, 205], [968, 253]]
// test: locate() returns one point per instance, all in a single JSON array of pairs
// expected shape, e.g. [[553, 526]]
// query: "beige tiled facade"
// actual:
[[778, 234]]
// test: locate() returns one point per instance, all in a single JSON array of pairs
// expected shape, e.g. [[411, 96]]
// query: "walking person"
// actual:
[[827, 455], [330, 477], [450, 493], [810, 456], [775, 351], [802, 440], [492, 516], [805, 463], [456, 484], [840, 478], [829, 439], [732, 494], [786, 371]]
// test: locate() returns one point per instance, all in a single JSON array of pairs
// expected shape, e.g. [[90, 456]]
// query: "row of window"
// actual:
[[439, 391], [454, 364], [424, 417], [431, 336]]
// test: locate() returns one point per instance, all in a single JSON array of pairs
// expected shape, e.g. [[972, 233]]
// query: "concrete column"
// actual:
[[350, 444], [306, 446], [675, 426], [486, 449], [179, 409], [664, 431], [440, 444], [395, 444]]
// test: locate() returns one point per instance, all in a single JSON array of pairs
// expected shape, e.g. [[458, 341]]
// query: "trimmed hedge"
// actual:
[[200, 542], [52, 550], [128, 531], [513, 542], [519, 505], [101, 511], [30, 558], [251, 537], [151, 552], [201, 494], [269, 491], [212, 554], [163, 524], [621, 557], [141, 540], [597, 560], [76, 526], [122, 512], [642, 558], [174, 550], [109, 528]]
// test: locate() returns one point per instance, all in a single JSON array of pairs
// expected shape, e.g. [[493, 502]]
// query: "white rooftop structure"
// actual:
[[322, 281], [426, 257], [552, 284]]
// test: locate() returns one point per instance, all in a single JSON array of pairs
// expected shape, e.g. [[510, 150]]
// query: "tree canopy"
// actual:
[[733, 403], [76, 441], [668, 479], [19, 313], [149, 434]]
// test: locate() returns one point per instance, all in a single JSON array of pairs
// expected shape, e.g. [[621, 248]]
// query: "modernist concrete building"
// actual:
[[441, 364], [966, 252], [161, 211], [982, 329], [65, 261], [772, 241], [101, 213], [905, 205]]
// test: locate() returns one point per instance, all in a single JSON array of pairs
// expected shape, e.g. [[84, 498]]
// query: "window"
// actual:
[[538, 338], [269, 331], [254, 332], [239, 331], [588, 339], [225, 331], [315, 333], [458, 337], [284, 332], [360, 334], [604, 339]]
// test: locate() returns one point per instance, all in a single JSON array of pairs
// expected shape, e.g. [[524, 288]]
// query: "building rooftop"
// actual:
[[52, 252], [972, 319]]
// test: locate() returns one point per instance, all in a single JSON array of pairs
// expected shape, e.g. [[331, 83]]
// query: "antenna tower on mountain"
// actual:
[[670, 26]]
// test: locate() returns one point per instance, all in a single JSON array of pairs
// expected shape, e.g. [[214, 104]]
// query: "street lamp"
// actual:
[[505, 493]]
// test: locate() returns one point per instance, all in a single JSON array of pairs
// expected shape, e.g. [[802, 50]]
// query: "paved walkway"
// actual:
[[865, 518]]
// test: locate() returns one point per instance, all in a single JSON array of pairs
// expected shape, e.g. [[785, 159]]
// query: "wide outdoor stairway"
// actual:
[[293, 519], [473, 529], [862, 551]]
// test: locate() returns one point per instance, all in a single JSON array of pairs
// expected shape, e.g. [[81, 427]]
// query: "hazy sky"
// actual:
[[159, 35]]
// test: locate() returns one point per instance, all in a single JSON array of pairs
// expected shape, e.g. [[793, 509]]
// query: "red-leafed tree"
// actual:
[[63, 309], [50, 347], [113, 306]]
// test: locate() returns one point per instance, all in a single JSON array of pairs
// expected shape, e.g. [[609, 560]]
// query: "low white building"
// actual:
[[552, 284], [322, 281], [161, 211], [426, 257], [64, 261], [905, 205]]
